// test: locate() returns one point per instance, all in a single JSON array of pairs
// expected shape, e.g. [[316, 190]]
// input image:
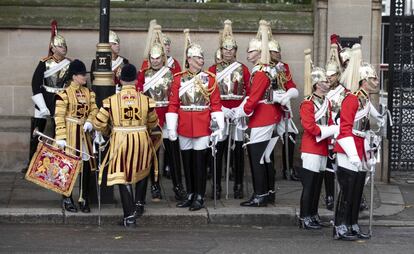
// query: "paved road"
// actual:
[[205, 239]]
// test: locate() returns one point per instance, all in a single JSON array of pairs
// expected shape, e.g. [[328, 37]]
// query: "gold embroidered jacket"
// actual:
[[129, 118]]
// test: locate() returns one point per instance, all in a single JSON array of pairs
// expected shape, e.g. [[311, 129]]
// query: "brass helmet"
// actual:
[[165, 39], [55, 38], [157, 46], [113, 37], [318, 75], [333, 64], [274, 46], [254, 44], [227, 40], [190, 49], [58, 40], [367, 71]]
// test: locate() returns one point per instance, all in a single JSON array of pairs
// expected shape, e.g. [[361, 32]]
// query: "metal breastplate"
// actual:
[[117, 70], [57, 79], [161, 90], [232, 84], [363, 123], [318, 102], [194, 95]]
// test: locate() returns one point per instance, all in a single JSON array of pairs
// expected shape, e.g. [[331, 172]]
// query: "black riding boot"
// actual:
[[359, 189], [219, 168], [315, 198], [200, 171], [172, 150], [238, 169], [128, 207], [306, 200], [189, 177], [329, 179], [289, 172], [40, 124], [259, 175], [346, 180], [85, 178], [140, 196]]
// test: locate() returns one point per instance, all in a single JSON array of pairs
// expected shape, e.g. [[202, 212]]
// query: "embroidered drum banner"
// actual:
[[53, 169]]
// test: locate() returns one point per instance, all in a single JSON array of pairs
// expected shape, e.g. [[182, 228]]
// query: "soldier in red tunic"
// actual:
[[155, 81], [194, 102], [233, 80], [281, 81], [263, 115], [316, 119], [353, 159]]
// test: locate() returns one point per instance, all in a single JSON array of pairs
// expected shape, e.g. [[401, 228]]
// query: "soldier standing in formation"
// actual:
[[194, 102], [233, 80], [282, 78], [48, 79], [74, 113], [335, 96], [316, 119], [352, 156], [155, 81], [128, 118]]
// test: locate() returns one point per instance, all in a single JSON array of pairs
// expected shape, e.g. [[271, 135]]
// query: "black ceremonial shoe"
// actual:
[[307, 223], [180, 193], [156, 192], [356, 230], [256, 201], [69, 205], [129, 222], [341, 232], [187, 202], [84, 207], [271, 198], [139, 209], [197, 204]]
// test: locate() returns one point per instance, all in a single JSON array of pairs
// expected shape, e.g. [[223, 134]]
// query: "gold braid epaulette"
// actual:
[[180, 73], [44, 59], [309, 98], [206, 92]]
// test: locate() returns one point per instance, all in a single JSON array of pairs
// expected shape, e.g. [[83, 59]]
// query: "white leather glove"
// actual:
[[228, 113], [87, 126], [218, 134], [354, 160], [376, 115], [61, 143], [348, 145], [218, 117], [327, 131], [172, 135], [290, 94], [171, 119], [41, 104], [98, 138]]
